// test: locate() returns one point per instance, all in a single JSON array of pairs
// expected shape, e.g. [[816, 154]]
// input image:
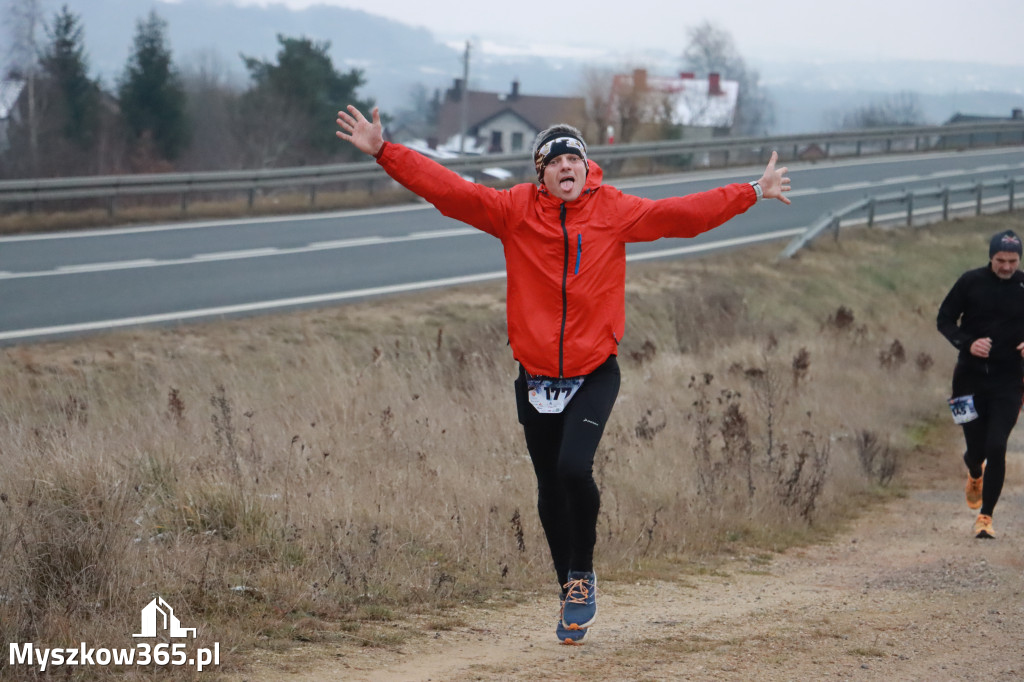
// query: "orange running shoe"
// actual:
[[983, 527], [972, 491]]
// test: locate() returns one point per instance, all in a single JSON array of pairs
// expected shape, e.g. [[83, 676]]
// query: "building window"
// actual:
[[495, 142], [517, 142]]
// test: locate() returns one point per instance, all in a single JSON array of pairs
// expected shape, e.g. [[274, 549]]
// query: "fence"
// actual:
[[866, 210], [312, 179]]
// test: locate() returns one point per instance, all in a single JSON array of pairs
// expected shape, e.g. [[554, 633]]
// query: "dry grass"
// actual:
[[325, 475]]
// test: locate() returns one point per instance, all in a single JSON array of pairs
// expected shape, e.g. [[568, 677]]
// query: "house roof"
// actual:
[[698, 102], [10, 90], [536, 110], [512, 112], [976, 118]]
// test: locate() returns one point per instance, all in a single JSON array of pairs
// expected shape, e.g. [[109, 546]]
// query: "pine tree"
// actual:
[[301, 93], [74, 99], [151, 92]]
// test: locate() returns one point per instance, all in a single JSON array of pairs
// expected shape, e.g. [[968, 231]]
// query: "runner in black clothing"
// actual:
[[983, 317]]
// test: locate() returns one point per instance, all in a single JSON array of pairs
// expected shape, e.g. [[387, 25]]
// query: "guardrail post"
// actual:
[[828, 148], [252, 196], [184, 202], [796, 151], [871, 212], [910, 209], [312, 195], [945, 204], [888, 145], [835, 229], [858, 147], [977, 207], [111, 205], [1012, 189]]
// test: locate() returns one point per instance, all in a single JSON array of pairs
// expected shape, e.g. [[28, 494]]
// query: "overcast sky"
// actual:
[[990, 31]]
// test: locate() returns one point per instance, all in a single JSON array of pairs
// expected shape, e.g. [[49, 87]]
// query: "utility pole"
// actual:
[[464, 122]]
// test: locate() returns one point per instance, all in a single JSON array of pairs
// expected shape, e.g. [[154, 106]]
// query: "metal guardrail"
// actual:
[[731, 150], [865, 211]]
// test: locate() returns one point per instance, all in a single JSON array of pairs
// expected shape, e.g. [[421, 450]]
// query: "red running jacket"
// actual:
[[566, 262]]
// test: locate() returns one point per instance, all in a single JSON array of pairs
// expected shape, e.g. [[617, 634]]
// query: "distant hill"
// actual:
[[800, 110], [396, 56], [393, 56]]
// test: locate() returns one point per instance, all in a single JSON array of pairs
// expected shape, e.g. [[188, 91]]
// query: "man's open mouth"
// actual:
[[566, 184]]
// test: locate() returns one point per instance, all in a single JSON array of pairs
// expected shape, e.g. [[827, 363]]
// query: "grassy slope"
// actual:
[[319, 474]]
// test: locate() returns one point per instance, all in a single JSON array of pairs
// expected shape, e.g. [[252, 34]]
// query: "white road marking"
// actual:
[[95, 267], [241, 254], [300, 217], [232, 255], [257, 306], [720, 244]]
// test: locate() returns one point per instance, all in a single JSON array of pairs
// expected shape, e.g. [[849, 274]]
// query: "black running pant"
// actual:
[[562, 448], [997, 400]]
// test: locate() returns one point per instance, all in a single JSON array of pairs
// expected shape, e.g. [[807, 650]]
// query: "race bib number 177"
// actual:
[[550, 396]]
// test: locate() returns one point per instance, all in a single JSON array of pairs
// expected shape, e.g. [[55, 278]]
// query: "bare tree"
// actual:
[[632, 103], [272, 137], [711, 50], [24, 25], [899, 109], [419, 115], [212, 100], [598, 92]]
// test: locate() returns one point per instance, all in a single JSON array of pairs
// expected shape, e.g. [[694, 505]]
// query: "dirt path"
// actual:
[[904, 594]]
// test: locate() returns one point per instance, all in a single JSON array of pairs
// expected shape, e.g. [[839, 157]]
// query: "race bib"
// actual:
[[550, 396], [963, 409]]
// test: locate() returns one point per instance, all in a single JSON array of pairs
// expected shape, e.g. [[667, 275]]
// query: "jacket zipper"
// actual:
[[565, 297], [579, 252]]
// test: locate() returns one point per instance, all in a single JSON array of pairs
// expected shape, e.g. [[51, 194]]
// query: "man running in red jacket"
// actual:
[[565, 256]]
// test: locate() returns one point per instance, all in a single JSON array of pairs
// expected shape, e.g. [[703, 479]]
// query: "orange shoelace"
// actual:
[[577, 591]]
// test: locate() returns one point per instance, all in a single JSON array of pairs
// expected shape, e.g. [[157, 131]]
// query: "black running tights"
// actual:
[[562, 448], [998, 402]]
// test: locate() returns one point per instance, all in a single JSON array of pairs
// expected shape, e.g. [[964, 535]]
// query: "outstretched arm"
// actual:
[[366, 136], [476, 205], [774, 181]]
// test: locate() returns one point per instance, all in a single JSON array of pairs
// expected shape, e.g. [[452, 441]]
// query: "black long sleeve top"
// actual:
[[982, 305]]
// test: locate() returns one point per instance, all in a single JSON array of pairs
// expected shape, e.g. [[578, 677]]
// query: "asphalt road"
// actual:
[[77, 282]]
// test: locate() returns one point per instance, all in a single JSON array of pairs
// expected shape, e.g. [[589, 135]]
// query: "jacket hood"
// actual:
[[594, 177]]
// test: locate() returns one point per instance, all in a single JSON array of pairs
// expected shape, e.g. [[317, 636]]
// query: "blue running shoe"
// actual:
[[580, 608], [564, 634]]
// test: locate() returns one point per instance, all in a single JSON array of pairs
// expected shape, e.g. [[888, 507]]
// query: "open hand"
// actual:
[[366, 136], [774, 181]]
